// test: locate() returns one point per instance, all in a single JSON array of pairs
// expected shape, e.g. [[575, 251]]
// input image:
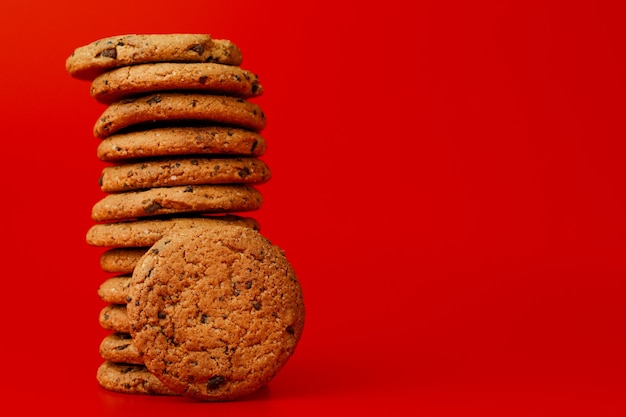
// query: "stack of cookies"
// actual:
[[182, 144]]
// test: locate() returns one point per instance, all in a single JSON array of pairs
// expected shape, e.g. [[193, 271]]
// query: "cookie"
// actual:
[[215, 313], [140, 233], [208, 78], [115, 289], [88, 61], [211, 140], [121, 260], [175, 200], [119, 348], [113, 317], [177, 107], [183, 171], [129, 379]]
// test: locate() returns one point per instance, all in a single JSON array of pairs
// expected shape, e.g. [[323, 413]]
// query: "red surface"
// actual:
[[449, 183]]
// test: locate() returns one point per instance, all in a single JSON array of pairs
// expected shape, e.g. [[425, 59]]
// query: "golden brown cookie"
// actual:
[[129, 379], [119, 348], [171, 141], [88, 61], [121, 260], [177, 200], [146, 232], [208, 78], [183, 171], [177, 108], [115, 289], [215, 313], [114, 317]]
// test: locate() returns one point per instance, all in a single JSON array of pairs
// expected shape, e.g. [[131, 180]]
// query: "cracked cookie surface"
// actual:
[[215, 313]]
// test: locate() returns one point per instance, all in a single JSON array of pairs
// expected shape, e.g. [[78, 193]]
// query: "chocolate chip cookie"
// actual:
[[129, 379], [177, 200], [177, 108], [215, 313], [208, 78], [183, 171], [146, 232], [172, 141], [89, 61]]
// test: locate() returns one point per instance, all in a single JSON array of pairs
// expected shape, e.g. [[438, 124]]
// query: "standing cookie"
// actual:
[[215, 313]]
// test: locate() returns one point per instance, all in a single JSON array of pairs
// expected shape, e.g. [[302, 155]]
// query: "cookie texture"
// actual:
[[89, 61], [146, 232], [208, 78], [114, 317], [129, 379], [183, 171], [121, 260], [173, 200], [119, 348], [215, 313], [176, 107], [115, 289], [171, 141]]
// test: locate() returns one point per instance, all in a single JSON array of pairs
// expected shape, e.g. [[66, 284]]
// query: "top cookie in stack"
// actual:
[[179, 131]]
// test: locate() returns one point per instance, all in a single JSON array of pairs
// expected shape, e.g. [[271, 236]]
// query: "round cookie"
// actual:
[[119, 348], [114, 317], [129, 379], [121, 260], [177, 107], [183, 171], [176, 200], [88, 61], [115, 290], [146, 232], [170, 141], [168, 76], [215, 313]]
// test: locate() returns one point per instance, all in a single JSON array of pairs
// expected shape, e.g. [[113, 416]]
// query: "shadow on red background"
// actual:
[[447, 181]]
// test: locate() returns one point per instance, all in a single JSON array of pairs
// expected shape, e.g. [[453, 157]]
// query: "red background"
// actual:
[[448, 183]]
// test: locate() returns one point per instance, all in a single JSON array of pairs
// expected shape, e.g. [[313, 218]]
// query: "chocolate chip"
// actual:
[[197, 48], [203, 79], [152, 208], [188, 189], [161, 315], [204, 319], [154, 100], [254, 145], [127, 370], [215, 382], [248, 285], [256, 305], [290, 330], [122, 347], [244, 172], [109, 53], [100, 180], [255, 88]]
